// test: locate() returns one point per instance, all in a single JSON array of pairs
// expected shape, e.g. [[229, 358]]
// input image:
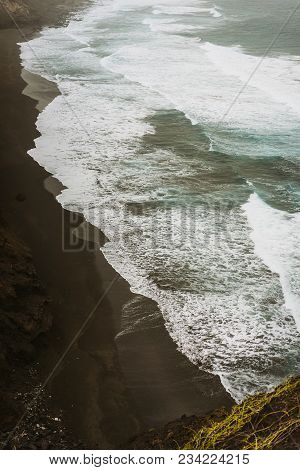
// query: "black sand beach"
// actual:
[[108, 390]]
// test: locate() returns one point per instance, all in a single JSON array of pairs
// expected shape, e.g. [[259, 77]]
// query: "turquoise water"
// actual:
[[178, 136]]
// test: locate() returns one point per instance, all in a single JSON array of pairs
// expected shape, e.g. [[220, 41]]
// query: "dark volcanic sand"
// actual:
[[108, 390]]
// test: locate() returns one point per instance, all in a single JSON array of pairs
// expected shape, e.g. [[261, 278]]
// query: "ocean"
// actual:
[[177, 134]]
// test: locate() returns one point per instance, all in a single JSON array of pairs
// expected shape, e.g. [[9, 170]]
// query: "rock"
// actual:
[[10, 411]]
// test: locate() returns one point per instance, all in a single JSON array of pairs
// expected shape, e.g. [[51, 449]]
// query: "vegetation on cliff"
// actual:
[[261, 422]]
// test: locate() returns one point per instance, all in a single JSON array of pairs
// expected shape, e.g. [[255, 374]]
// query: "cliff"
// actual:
[[20, 10], [25, 318], [35, 12], [23, 302]]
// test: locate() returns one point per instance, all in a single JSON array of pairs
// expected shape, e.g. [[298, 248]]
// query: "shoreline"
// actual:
[[109, 391]]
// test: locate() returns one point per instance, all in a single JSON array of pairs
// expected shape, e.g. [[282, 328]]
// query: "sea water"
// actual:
[[177, 133]]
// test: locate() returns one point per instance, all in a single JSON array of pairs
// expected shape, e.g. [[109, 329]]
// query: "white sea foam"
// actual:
[[173, 28], [192, 9], [185, 6], [215, 12], [157, 21], [169, 25], [180, 10], [276, 235], [218, 289], [234, 323], [276, 77], [202, 100]]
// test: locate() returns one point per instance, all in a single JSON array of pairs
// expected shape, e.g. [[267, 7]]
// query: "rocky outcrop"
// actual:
[[19, 10], [35, 12], [26, 421], [23, 302], [16, 7], [24, 316]]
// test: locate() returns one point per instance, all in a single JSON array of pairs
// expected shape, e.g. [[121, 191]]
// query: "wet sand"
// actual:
[[109, 387]]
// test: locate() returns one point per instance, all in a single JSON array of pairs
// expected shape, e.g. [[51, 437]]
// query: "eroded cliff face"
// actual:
[[36, 12], [16, 6], [24, 316], [19, 10], [23, 301]]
